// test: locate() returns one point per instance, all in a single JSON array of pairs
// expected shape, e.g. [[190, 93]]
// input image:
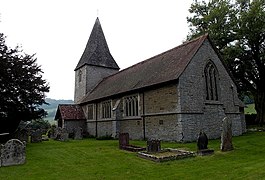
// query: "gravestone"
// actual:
[[123, 140], [64, 136], [22, 135], [36, 136], [78, 134], [202, 144], [52, 132], [202, 141], [124, 143], [226, 135], [58, 133], [153, 146], [13, 152]]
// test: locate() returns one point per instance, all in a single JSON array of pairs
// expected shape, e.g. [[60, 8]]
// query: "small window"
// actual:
[[131, 106], [80, 76], [90, 111], [106, 109]]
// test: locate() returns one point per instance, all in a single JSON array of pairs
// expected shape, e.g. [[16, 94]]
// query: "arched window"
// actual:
[[211, 81], [131, 106], [106, 109]]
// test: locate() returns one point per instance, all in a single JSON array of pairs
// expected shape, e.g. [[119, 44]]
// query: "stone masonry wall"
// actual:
[[160, 108], [80, 87], [133, 127], [198, 113], [70, 125], [91, 128], [178, 112], [105, 128], [91, 76], [161, 100], [163, 127]]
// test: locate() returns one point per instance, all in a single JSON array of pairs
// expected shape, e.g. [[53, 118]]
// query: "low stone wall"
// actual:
[[13, 152]]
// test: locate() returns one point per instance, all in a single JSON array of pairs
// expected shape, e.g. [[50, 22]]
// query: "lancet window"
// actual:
[[131, 106], [211, 81]]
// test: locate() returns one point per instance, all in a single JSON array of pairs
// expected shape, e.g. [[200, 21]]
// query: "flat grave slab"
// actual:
[[166, 154]]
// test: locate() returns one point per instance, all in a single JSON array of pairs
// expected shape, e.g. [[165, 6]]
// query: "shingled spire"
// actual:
[[97, 51]]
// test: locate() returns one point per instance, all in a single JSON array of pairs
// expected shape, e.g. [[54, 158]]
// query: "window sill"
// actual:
[[209, 102], [131, 117]]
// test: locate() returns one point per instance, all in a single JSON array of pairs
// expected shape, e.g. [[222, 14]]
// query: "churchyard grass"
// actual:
[[101, 159], [250, 109]]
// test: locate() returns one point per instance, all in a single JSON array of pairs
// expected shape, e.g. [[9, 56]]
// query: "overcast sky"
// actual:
[[58, 30]]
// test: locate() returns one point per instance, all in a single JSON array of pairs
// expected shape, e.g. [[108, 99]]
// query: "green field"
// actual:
[[250, 109], [101, 159]]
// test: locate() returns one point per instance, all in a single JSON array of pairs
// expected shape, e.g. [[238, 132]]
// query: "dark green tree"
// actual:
[[22, 88], [237, 28]]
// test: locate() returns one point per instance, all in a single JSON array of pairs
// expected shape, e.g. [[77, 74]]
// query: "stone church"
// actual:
[[171, 96]]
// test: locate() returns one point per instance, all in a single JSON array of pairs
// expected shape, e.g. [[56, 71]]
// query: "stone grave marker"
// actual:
[[202, 141], [123, 140], [124, 143], [36, 136], [13, 152], [22, 135], [58, 133], [153, 145], [78, 134], [64, 135], [52, 132], [202, 145], [226, 135]]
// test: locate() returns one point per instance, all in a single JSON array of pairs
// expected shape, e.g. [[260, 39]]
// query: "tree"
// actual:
[[22, 88], [237, 28]]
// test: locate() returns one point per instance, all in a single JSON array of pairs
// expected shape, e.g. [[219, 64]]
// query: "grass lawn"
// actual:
[[250, 109], [98, 159]]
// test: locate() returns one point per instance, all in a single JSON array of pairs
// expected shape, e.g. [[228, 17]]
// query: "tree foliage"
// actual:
[[237, 28], [22, 87]]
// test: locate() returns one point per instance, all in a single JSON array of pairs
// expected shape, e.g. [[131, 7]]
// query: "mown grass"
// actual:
[[94, 159], [250, 109]]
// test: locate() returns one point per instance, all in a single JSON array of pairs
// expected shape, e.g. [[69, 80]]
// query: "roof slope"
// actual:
[[70, 112], [97, 51], [162, 68]]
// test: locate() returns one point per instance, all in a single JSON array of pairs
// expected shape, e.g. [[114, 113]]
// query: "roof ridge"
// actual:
[[149, 59], [139, 64]]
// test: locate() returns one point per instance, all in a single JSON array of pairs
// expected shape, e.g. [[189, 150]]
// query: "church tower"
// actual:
[[95, 63]]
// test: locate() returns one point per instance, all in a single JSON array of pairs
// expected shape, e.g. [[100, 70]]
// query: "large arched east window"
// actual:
[[211, 81]]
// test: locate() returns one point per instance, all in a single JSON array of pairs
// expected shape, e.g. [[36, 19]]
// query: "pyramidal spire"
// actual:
[[97, 51]]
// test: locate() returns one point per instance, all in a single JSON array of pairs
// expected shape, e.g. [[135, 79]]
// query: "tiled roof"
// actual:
[[97, 51], [70, 112], [162, 68]]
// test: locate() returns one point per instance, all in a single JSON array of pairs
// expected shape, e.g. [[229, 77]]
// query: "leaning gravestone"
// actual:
[[13, 152], [153, 146], [226, 135]]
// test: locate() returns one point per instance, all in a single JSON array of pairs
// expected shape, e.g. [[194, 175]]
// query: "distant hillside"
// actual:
[[52, 107]]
